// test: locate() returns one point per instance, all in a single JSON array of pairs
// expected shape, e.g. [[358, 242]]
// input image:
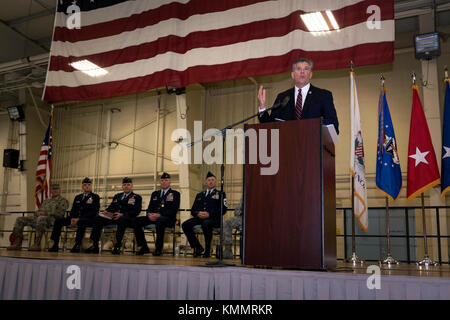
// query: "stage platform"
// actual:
[[44, 275]]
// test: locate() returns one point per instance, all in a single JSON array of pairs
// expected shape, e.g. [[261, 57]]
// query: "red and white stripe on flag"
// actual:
[[141, 45], [44, 168]]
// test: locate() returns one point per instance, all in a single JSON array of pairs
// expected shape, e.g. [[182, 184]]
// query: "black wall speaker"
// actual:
[[11, 158]]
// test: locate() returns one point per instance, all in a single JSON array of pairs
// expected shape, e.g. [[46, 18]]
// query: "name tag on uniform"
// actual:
[[131, 200], [169, 197], [155, 198]]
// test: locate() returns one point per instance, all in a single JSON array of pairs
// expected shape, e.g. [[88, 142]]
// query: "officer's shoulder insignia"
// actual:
[[225, 202]]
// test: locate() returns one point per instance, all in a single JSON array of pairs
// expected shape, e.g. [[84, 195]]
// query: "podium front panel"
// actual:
[[284, 212]]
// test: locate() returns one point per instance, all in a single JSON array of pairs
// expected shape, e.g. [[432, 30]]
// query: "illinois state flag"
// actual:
[[445, 165], [423, 170], [357, 163], [389, 174]]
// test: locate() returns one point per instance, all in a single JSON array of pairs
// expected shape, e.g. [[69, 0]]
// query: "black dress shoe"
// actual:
[[53, 249], [92, 249], [76, 248], [143, 250], [198, 251], [116, 250], [157, 253]]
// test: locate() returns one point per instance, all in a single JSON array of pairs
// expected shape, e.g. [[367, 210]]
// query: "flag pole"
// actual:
[[354, 260], [426, 261], [389, 259]]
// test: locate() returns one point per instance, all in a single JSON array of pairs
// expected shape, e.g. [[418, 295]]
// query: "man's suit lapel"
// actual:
[[309, 99], [290, 108]]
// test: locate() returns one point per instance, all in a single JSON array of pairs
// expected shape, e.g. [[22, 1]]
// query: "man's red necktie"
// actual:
[[298, 105]]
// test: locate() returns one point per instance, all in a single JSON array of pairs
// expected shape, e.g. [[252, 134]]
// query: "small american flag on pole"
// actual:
[[44, 166]]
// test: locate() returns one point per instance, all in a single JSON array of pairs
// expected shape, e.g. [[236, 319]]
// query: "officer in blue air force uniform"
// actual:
[[162, 211], [205, 212], [84, 209], [123, 209]]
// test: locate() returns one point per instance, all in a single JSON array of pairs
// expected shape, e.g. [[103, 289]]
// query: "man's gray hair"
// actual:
[[302, 60]]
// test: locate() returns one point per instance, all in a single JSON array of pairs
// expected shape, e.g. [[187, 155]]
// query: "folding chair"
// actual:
[[151, 228]]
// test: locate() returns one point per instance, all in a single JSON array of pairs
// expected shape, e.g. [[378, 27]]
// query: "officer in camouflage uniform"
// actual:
[[51, 208], [228, 226]]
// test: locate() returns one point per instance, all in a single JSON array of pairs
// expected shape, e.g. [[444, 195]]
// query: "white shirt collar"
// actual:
[[305, 90]]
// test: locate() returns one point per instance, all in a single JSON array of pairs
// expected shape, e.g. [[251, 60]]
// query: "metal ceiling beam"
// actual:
[[420, 11], [24, 36], [37, 15], [414, 4]]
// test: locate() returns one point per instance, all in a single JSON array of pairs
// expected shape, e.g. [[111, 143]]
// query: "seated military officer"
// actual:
[[205, 212], [84, 209], [162, 211], [45, 216], [124, 208]]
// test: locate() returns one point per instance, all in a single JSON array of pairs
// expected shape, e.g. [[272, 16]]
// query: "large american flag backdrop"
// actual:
[[146, 44]]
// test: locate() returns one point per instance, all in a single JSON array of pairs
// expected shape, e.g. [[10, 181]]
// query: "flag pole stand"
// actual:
[[354, 260], [389, 259], [426, 261]]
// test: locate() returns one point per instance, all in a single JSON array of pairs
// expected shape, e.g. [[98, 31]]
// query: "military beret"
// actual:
[[86, 180], [165, 175], [210, 175], [127, 180], [55, 186]]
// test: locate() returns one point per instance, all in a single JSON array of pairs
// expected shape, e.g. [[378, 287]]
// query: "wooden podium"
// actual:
[[290, 217]]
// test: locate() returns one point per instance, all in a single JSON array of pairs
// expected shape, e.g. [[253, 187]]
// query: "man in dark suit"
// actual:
[[162, 211], [303, 101], [205, 212], [123, 209], [84, 209]]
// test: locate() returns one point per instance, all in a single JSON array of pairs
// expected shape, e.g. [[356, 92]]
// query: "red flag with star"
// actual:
[[423, 172]]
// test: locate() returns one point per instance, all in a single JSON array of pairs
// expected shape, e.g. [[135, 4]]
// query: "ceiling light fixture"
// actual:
[[89, 68], [320, 21]]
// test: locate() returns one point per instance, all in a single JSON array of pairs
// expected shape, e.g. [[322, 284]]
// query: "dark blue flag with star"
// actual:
[[389, 174], [445, 165]]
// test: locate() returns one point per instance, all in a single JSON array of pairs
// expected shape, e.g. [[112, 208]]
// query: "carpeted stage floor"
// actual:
[[46, 275]]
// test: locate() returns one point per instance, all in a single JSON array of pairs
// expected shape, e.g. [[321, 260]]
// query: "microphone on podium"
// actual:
[[282, 104]]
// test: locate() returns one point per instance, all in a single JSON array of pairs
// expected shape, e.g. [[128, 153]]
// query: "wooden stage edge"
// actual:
[[442, 271]]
